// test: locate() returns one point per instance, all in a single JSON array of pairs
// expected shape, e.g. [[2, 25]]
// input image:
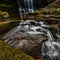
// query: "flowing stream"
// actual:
[[51, 47]]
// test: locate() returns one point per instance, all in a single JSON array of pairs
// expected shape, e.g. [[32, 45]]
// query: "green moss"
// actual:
[[5, 5], [9, 53], [3, 27], [6, 26]]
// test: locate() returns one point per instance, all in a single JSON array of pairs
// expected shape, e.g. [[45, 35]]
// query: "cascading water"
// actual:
[[21, 36], [16, 29], [51, 48], [32, 6], [26, 8], [19, 9], [28, 2]]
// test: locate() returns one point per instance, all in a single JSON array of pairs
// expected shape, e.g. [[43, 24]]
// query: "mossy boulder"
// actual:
[[3, 14], [9, 53]]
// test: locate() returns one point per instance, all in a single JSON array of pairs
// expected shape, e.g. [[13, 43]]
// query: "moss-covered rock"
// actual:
[[6, 26], [3, 14], [9, 53]]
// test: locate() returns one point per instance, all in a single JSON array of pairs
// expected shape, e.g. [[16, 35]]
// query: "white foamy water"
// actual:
[[31, 38]]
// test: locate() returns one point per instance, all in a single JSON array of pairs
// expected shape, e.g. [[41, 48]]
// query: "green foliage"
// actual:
[[5, 5], [38, 11], [3, 27], [58, 9], [9, 53], [4, 14]]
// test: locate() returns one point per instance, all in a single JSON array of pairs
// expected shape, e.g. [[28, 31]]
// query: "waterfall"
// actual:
[[28, 7], [51, 48], [29, 3], [20, 10], [32, 6], [50, 35], [25, 3]]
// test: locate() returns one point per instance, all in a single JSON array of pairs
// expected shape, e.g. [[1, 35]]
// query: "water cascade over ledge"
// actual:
[[30, 34]]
